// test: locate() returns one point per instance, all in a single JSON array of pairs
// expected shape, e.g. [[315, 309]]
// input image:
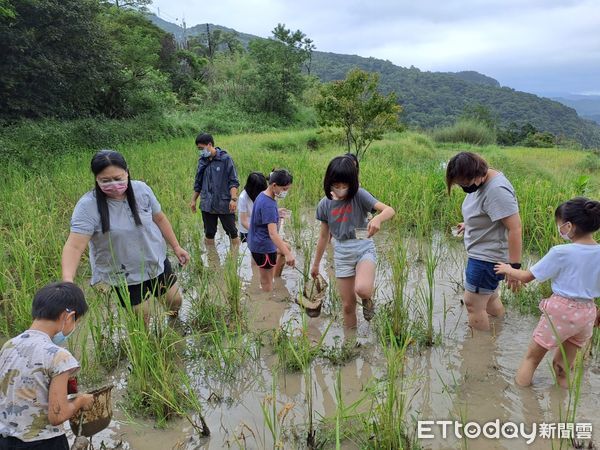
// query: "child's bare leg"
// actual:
[[560, 365], [143, 309], [280, 264], [494, 305], [477, 310], [266, 279], [173, 300], [363, 286], [348, 296], [533, 357]]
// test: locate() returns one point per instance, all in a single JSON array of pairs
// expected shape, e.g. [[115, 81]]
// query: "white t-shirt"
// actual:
[[245, 205], [574, 270], [28, 363]]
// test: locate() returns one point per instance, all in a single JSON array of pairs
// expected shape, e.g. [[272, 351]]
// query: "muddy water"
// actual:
[[466, 378]]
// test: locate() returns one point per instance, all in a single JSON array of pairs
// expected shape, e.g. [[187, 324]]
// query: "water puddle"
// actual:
[[466, 378]]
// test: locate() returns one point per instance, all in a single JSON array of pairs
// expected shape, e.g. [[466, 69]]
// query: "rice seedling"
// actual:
[[273, 418], [427, 296], [154, 384], [233, 288], [295, 351], [386, 421], [398, 309]]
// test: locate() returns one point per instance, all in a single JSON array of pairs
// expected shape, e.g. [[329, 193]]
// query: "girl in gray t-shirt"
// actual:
[[492, 233], [342, 211], [125, 228]]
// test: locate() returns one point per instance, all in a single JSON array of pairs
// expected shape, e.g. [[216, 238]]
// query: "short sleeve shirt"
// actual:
[[486, 237], [245, 205], [574, 270], [28, 363], [344, 216], [264, 212], [127, 252]]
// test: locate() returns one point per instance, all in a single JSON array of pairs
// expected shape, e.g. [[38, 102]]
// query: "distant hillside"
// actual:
[[431, 99], [197, 30], [475, 77], [587, 106]]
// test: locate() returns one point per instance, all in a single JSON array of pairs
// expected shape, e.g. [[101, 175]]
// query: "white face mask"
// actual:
[[282, 194], [566, 235], [340, 192]]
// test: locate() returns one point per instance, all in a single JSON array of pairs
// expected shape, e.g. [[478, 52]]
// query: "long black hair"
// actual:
[[255, 184], [341, 169], [100, 161]]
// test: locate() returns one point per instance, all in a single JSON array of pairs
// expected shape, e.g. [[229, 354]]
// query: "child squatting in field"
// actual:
[[342, 211], [34, 372], [569, 315]]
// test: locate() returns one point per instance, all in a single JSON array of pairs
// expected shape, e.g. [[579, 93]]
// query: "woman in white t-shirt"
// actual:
[[569, 315], [255, 184]]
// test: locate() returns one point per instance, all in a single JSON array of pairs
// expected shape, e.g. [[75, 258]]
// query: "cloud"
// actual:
[[496, 37]]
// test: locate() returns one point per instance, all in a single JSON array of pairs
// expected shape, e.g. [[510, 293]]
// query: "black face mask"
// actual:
[[472, 188]]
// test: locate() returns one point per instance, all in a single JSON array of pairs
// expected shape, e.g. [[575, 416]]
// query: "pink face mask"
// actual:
[[113, 188]]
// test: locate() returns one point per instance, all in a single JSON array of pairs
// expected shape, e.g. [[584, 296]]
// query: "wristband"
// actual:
[[515, 265]]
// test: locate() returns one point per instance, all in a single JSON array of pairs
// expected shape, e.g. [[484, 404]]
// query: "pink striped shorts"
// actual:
[[563, 320]]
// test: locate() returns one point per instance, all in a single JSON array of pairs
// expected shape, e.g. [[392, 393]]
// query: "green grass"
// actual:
[[403, 170]]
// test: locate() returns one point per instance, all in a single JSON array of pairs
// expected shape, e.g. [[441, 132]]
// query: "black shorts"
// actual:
[[243, 237], [55, 443], [210, 224], [265, 260], [155, 287]]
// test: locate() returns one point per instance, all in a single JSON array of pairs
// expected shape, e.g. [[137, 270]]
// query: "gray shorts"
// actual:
[[347, 254]]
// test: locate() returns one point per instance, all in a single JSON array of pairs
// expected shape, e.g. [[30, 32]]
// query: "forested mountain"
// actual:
[[587, 106], [431, 99]]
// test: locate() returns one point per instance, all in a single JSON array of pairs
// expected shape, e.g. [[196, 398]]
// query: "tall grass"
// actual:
[[466, 131]]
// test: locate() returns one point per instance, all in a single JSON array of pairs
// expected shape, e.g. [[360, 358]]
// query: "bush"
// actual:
[[591, 162], [540, 139], [466, 131]]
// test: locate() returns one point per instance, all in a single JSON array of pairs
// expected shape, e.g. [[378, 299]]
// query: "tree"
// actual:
[[355, 105], [55, 59], [278, 76], [137, 4], [482, 114]]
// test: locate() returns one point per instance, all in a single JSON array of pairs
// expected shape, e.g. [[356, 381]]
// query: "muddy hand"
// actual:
[[460, 228], [86, 401], [373, 227], [290, 260], [193, 206], [314, 271], [513, 284], [182, 256]]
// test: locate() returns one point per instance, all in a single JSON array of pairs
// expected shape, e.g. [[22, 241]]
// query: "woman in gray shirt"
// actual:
[[492, 233], [125, 228]]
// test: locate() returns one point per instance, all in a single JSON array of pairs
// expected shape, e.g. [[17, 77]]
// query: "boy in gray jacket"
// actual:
[[217, 186]]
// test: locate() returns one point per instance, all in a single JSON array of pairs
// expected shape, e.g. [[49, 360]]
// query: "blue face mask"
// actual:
[[60, 338], [204, 154]]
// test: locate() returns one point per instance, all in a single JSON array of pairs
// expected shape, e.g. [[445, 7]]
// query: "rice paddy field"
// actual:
[[250, 370]]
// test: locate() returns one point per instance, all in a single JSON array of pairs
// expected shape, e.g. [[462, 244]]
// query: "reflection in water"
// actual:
[[466, 378]]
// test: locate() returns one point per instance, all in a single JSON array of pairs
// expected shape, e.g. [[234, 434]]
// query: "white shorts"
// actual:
[[347, 254]]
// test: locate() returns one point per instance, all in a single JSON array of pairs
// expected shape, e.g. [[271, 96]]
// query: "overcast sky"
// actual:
[[540, 46]]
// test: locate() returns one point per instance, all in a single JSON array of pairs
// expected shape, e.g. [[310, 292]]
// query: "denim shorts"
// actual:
[[347, 254], [480, 277]]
